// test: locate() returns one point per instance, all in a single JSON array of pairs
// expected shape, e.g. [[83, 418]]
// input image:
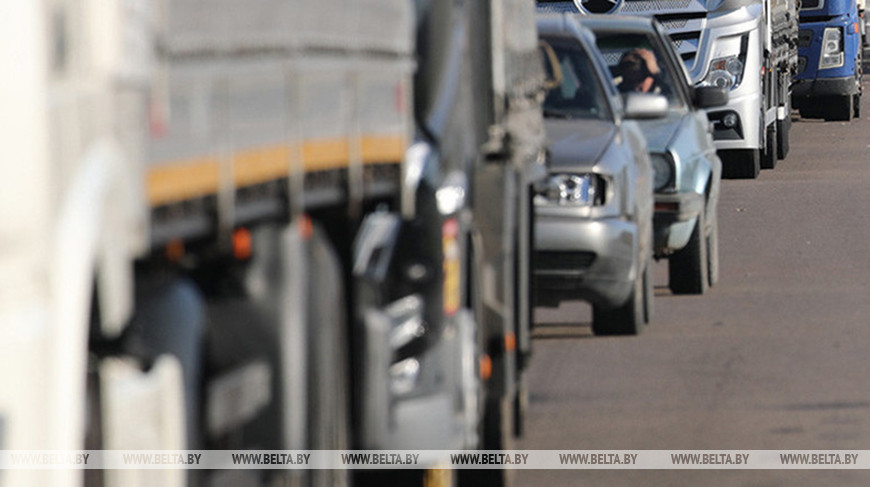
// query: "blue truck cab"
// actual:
[[828, 84]]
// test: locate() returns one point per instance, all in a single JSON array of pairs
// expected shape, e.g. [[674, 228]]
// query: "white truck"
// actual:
[[275, 224], [749, 46]]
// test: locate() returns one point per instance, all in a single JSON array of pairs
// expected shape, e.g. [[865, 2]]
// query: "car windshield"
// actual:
[[638, 65], [580, 94]]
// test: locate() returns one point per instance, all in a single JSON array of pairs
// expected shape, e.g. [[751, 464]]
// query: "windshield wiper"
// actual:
[[551, 113]]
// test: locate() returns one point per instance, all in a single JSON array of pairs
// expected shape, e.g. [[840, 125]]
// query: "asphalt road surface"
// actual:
[[776, 356]]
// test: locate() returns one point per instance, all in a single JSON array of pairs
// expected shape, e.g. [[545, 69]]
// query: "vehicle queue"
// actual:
[[629, 132], [352, 271]]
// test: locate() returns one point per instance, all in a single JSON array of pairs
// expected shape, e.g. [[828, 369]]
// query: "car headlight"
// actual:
[[572, 190], [663, 170], [832, 48], [726, 72]]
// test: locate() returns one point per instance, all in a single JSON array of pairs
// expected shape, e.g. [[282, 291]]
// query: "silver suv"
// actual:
[[593, 230], [687, 170]]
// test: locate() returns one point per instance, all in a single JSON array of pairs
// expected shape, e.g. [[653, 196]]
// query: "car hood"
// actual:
[[661, 131], [578, 142]]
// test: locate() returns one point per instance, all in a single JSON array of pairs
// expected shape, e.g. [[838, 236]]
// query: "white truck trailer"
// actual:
[[262, 224]]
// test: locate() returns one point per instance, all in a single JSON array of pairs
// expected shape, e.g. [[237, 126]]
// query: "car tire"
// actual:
[[783, 127], [713, 252], [839, 109], [771, 148], [648, 294], [811, 111], [740, 163], [688, 267], [627, 319]]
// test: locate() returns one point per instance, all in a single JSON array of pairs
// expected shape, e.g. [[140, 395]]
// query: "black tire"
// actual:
[[496, 434], [839, 109], [859, 76], [740, 163], [328, 370], [811, 111], [648, 294], [688, 267], [713, 252], [626, 319], [378, 478], [94, 424], [498, 418], [771, 148], [783, 127], [521, 404]]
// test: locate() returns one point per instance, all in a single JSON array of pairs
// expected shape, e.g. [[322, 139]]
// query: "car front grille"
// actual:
[[563, 261]]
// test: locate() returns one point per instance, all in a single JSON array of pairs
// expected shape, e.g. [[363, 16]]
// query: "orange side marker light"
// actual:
[[485, 367], [242, 244]]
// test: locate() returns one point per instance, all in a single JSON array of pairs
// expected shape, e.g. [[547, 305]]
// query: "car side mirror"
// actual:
[[709, 96], [644, 106]]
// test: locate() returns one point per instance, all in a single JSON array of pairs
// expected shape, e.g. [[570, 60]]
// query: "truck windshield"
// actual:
[[580, 95]]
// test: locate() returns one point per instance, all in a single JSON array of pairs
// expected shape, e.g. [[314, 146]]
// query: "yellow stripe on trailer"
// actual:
[[174, 181], [183, 180], [258, 166], [383, 149]]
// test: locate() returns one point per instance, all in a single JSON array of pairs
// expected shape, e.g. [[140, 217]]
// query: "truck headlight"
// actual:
[[725, 72], [663, 170], [572, 190], [832, 48]]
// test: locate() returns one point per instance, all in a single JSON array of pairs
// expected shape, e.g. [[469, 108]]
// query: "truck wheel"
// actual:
[[94, 425], [713, 252], [811, 111], [521, 403], [296, 281], [740, 163], [627, 319], [839, 109], [783, 127], [856, 106], [771, 148], [328, 369], [688, 268], [496, 434]]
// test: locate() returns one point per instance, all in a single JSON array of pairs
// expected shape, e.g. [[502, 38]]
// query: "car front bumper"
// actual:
[[809, 88], [584, 259], [674, 220]]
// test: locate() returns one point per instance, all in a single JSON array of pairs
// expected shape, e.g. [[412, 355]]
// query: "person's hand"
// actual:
[[651, 65]]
